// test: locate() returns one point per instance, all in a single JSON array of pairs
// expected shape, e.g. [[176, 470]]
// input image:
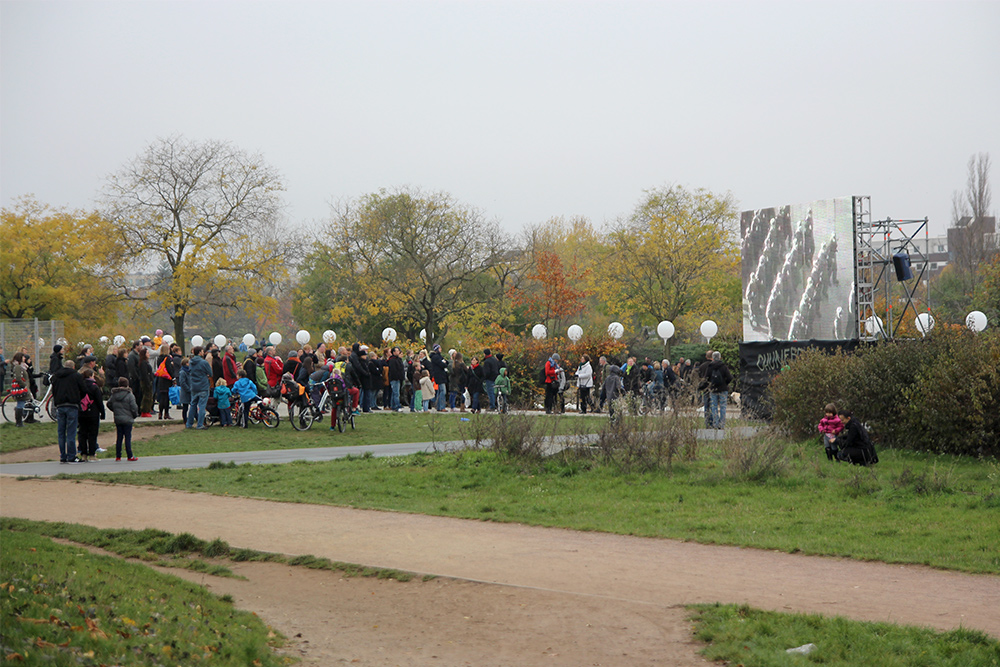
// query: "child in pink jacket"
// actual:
[[830, 426]]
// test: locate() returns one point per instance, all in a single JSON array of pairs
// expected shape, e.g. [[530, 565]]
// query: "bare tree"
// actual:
[[211, 215], [971, 237]]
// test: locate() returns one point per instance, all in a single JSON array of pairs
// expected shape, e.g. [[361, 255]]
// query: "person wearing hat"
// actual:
[[439, 373], [56, 359]]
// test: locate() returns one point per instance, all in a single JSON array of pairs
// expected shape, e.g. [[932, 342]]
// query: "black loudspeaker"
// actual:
[[901, 262]]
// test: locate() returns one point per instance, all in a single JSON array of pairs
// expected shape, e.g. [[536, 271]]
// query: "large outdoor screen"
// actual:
[[797, 266]]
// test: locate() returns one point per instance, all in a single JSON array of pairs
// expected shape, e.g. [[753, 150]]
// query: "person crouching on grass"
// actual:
[[122, 404], [854, 445]]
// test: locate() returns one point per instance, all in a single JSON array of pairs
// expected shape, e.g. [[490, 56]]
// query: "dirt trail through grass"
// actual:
[[619, 575]]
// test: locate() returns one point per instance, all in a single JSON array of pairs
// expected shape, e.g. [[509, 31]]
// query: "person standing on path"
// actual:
[[91, 414], [491, 369], [718, 377], [397, 376], [551, 382], [122, 404], [68, 390], [584, 381], [200, 377]]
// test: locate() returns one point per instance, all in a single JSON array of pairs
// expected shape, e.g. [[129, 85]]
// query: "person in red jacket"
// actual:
[[273, 368], [230, 369]]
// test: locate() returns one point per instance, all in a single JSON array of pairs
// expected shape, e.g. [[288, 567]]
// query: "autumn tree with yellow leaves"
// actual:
[[57, 264], [674, 254], [408, 258], [207, 216]]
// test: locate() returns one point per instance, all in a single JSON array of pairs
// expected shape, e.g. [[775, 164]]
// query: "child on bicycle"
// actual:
[[830, 426], [294, 394], [222, 396], [246, 390]]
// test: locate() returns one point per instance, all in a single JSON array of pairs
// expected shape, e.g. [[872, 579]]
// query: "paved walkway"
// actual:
[[183, 461]]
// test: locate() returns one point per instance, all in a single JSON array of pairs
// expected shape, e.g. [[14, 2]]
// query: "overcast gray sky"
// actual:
[[526, 110]]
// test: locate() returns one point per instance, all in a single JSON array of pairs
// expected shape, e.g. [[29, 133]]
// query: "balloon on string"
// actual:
[[423, 335], [119, 340], [197, 340], [575, 332], [976, 320], [874, 325], [539, 331], [302, 337], [275, 338], [168, 339], [249, 339], [709, 328], [616, 330], [389, 334], [665, 329], [103, 340], [220, 340], [924, 323], [329, 337]]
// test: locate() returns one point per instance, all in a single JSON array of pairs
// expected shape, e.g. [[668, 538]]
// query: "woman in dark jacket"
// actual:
[[217, 371], [121, 363], [163, 384], [91, 414], [145, 382]]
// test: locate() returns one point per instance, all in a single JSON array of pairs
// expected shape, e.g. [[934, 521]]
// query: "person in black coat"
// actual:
[[439, 373], [90, 416], [68, 389], [854, 444]]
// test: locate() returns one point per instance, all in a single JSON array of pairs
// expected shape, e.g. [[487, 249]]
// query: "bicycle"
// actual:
[[503, 403], [30, 404], [261, 412]]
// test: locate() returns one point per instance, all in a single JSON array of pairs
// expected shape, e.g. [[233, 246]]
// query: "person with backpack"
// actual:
[[718, 377], [551, 375]]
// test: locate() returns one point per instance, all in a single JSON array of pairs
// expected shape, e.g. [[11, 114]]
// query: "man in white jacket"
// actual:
[[584, 382]]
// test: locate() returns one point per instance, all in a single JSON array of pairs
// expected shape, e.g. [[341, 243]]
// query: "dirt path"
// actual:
[[547, 584], [107, 440]]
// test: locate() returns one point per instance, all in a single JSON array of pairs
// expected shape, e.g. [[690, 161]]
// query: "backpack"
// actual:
[[541, 377], [716, 379]]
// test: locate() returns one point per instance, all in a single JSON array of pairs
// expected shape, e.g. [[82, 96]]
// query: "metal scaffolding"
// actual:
[[879, 313]]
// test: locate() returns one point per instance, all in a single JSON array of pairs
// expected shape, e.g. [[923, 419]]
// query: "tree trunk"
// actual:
[[178, 320]]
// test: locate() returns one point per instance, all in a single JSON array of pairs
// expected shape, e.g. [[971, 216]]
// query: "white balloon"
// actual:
[[389, 334], [575, 332], [976, 320], [302, 337], [220, 340], [616, 330], [103, 340], [275, 338], [168, 339], [249, 339], [665, 329], [709, 328], [539, 331], [423, 335], [197, 340], [874, 325], [63, 342], [329, 337], [119, 339], [924, 322]]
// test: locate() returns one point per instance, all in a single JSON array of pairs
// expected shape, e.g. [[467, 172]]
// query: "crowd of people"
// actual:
[[150, 373]]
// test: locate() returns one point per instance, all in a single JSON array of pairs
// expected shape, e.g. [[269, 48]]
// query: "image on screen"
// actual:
[[797, 265]]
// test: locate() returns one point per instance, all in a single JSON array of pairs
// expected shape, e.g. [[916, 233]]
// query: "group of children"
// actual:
[[844, 438]]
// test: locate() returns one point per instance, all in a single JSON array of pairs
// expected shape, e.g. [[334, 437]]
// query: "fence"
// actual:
[[35, 336]]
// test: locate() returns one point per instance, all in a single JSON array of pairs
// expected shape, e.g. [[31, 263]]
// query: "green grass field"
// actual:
[[910, 508], [376, 429], [62, 605]]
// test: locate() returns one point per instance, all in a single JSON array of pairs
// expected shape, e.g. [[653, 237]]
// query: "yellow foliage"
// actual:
[[57, 264]]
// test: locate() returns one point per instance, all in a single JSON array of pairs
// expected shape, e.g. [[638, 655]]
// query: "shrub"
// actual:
[[814, 379], [939, 394], [755, 459]]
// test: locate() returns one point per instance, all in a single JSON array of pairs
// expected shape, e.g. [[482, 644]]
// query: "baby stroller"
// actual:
[[212, 412]]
